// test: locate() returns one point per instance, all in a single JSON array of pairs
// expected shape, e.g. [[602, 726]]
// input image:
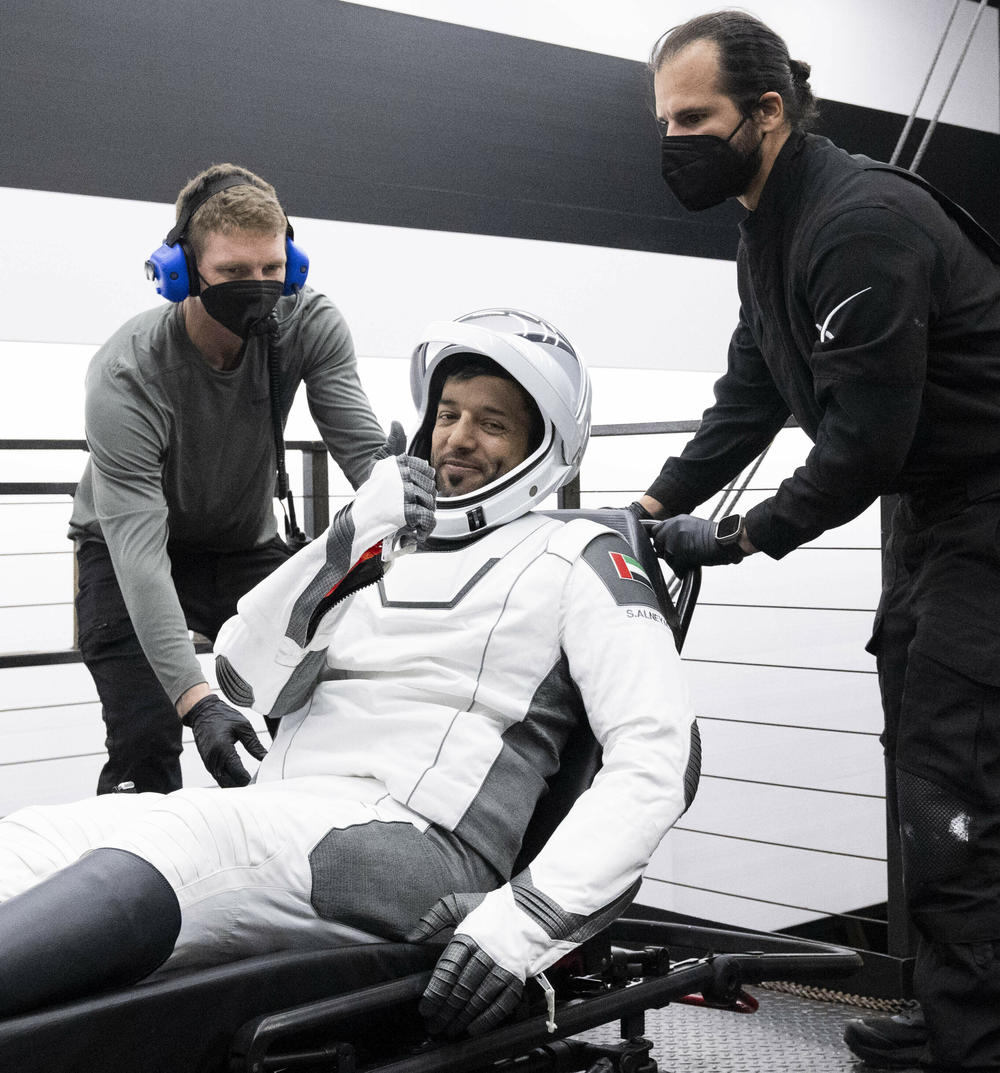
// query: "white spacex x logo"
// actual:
[[824, 335]]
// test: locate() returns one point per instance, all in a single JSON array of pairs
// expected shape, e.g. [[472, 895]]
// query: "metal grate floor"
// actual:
[[788, 1034]]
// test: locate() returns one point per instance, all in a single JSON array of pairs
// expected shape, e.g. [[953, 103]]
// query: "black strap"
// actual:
[[209, 190], [293, 534], [195, 202], [973, 229]]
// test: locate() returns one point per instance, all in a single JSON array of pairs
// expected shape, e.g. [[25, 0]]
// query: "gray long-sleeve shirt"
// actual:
[[184, 453]]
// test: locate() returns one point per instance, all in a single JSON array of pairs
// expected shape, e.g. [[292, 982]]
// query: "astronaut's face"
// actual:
[[481, 432]]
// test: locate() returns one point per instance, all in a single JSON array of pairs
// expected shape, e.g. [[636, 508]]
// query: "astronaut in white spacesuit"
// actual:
[[423, 701]]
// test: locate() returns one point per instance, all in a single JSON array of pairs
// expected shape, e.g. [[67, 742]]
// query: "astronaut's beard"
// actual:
[[457, 484], [446, 488], [468, 477]]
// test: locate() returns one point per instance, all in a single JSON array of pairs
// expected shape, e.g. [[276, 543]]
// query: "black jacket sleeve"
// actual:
[[747, 413], [869, 286]]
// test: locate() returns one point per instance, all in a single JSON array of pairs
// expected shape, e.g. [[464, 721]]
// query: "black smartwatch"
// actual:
[[729, 529]]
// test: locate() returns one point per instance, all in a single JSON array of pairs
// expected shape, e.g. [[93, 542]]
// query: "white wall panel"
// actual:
[[631, 462], [760, 889], [847, 701], [38, 579], [781, 637], [43, 394], [809, 883], [61, 781], [863, 532], [49, 782], [33, 524], [41, 733], [670, 393], [35, 628], [787, 756], [43, 465], [812, 578], [29, 687], [869, 52], [724, 909], [787, 816]]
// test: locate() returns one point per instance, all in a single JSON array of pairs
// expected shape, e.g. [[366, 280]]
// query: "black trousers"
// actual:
[[143, 730], [937, 642]]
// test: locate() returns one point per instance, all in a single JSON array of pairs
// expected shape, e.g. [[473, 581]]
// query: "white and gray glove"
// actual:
[[468, 991], [500, 939], [419, 493]]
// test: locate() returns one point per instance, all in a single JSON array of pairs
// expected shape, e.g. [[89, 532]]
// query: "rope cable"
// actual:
[[922, 148], [923, 89]]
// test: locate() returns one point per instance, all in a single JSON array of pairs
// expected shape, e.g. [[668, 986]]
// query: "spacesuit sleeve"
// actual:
[[269, 650], [622, 657]]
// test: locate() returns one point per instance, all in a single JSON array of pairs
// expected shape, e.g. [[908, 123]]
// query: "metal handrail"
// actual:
[[315, 477], [316, 490]]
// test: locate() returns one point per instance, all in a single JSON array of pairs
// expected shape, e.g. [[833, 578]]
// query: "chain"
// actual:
[[822, 994]]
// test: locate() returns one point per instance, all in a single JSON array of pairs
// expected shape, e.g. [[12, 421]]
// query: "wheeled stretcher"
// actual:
[[354, 1008]]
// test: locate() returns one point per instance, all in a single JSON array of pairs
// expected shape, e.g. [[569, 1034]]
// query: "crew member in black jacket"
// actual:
[[870, 310]]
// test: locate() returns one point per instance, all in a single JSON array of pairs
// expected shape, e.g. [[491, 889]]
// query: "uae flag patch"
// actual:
[[628, 569]]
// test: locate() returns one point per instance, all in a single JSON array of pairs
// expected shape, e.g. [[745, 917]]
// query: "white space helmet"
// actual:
[[542, 360]]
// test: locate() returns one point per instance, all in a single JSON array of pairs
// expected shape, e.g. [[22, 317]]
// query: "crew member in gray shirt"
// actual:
[[173, 518]]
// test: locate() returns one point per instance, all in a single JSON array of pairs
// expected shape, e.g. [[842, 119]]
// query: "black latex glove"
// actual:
[[217, 727], [468, 991], [687, 541]]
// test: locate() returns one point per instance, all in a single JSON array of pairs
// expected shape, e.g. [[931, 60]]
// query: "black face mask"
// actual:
[[703, 170], [242, 305]]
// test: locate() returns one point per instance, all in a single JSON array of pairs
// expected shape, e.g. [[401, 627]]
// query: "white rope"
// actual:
[[954, 74], [923, 89]]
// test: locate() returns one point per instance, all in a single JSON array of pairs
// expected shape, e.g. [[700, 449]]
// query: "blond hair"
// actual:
[[250, 207]]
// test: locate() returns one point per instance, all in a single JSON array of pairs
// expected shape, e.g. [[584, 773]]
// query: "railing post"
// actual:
[[316, 491], [568, 497], [901, 939]]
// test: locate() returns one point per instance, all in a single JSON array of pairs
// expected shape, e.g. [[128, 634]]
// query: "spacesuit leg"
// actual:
[[297, 864], [37, 841]]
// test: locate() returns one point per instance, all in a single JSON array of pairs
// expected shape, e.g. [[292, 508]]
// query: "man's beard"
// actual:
[[748, 143], [453, 486]]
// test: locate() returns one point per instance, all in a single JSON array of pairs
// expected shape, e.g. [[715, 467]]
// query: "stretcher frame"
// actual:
[[635, 971]]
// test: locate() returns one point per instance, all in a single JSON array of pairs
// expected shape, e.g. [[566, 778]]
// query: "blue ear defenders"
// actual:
[[172, 267]]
